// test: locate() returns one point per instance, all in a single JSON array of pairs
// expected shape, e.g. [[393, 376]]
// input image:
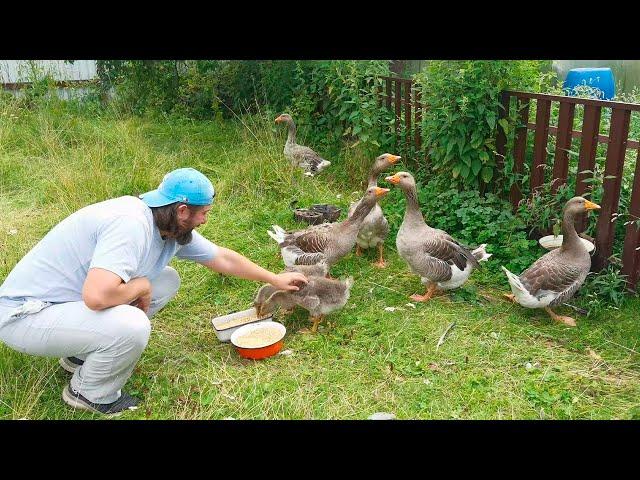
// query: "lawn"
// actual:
[[499, 361]]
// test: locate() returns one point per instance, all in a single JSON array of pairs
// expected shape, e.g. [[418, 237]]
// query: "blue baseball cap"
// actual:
[[186, 185]]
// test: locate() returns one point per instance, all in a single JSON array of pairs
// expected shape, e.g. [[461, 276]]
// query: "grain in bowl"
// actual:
[[259, 340], [260, 337]]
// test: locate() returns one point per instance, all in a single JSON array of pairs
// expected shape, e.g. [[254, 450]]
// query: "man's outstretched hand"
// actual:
[[291, 281]]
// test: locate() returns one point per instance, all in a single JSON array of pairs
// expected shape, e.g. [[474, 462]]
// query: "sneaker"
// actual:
[[70, 364], [76, 400]]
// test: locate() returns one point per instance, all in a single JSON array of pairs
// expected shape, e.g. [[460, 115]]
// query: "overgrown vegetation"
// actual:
[[48, 145], [462, 105], [333, 102]]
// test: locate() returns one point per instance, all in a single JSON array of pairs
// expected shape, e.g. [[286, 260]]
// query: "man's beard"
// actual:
[[184, 236]]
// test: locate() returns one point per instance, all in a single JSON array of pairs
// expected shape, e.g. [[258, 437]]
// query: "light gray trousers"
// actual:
[[110, 341]]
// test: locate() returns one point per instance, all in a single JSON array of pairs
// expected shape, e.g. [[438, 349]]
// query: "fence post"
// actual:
[[631, 249], [611, 196], [543, 111], [587, 159], [519, 150], [563, 144], [387, 82], [417, 108], [501, 139], [407, 114], [397, 99]]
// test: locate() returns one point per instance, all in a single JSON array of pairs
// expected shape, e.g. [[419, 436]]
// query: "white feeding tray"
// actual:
[[225, 325], [550, 242]]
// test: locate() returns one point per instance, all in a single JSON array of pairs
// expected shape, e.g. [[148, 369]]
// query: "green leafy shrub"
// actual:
[[339, 100], [542, 210], [279, 80], [332, 101], [141, 86], [603, 290], [462, 102]]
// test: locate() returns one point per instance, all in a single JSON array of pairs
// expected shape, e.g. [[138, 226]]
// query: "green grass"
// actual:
[[53, 162]]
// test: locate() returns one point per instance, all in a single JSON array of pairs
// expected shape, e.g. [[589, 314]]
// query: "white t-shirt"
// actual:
[[118, 235]]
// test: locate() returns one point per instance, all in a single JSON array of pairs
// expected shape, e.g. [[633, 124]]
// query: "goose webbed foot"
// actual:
[[314, 328], [431, 289], [316, 321], [510, 296], [561, 318], [380, 263]]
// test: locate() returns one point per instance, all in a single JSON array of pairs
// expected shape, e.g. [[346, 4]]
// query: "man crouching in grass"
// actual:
[[86, 291]]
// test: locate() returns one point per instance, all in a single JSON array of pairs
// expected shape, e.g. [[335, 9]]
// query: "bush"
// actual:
[[339, 99], [462, 101], [542, 211], [333, 101], [602, 291], [141, 85]]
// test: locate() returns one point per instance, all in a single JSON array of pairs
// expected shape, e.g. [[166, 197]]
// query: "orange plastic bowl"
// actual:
[[263, 351]]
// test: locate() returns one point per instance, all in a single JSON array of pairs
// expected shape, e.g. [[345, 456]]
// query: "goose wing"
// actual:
[[306, 156], [444, 247], [433, 268], [292, 238], [294, 255], [314, 239], [549, 273]]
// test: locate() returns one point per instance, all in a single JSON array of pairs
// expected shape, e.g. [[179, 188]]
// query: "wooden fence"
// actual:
[[402, 96]]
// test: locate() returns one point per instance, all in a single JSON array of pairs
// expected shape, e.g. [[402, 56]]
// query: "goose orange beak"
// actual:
[[381, 192], [278, 120], [393, 159], [591, 206], [393, 179]]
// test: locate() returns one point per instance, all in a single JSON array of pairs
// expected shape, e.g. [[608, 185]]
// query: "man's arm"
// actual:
[[230, 262], [103, 289]]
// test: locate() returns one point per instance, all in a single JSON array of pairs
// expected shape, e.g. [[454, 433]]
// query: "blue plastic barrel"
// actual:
[[596, 78]]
